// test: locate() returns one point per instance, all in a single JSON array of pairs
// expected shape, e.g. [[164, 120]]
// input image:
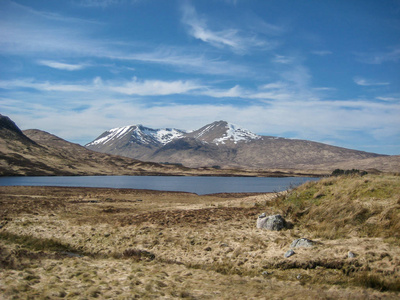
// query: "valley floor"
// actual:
[[83, 243]]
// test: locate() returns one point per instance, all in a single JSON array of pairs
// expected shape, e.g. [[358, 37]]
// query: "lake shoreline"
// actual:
[[200, 185]]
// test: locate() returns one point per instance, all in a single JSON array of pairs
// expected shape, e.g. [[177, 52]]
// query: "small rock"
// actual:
[[351, 254], [224, 245], [266, 273], [107, 234], [303, 242], [298, 276], [289, 253], [208, 249]]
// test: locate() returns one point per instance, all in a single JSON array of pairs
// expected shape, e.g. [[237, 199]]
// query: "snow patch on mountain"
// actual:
[[110, 135], [236, 134]]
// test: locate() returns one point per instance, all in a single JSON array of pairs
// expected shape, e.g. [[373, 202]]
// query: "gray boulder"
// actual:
[[303, 242], [274, 222]]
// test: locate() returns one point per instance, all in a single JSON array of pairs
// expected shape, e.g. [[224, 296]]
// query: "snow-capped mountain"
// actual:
[[138, 134], [219, 144], [219, 132]]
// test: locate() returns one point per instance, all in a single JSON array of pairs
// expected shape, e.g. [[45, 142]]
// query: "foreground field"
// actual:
[[80, 243]]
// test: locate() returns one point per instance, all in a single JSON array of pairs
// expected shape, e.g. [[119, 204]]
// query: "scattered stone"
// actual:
[[274, 222], [303, 242], [351, 254], [298, 276], [70, 254], [289, 253], [107, 234], [208, 249], [266, 273], [224, 245]]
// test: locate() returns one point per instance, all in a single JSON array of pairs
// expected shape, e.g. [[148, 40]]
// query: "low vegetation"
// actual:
[[83, 243]]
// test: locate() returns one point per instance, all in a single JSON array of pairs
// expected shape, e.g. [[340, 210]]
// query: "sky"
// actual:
[[326, 71]]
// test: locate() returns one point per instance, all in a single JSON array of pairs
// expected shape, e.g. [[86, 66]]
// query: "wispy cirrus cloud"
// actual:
[[389, 98], [186, 61], [61, 66], [232, 38], [42, 35], [155, 87], [99, 87], [41, 86], [282, 59], [376, 58], [368, 82]]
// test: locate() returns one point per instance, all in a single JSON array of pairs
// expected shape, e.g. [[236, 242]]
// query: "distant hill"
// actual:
[[35, 152], [218, 146], [226, 145]]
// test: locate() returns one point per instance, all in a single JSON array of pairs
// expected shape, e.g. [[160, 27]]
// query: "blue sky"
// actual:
[[327, 71]]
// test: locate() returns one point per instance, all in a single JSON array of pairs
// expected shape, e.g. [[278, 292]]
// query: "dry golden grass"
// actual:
[[83, 243]]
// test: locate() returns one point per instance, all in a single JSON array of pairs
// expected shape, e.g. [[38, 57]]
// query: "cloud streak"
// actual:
[[61, 66], [231, 38], [366, 82]]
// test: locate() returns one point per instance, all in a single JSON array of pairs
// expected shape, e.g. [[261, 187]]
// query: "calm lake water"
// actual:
[[198, 185]]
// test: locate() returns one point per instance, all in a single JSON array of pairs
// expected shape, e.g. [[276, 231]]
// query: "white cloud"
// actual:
[[234, 92], [42, 86], [98, 86], [389, 99], [61, 66], [281, 59], [155, 87], [37, 34], [377, 58], [232, 38], [366, 82], [274, 85]]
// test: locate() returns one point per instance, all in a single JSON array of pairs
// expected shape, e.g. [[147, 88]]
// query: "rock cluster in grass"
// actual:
[[273, 222]]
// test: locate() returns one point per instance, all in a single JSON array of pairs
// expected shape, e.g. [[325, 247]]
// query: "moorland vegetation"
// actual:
[[80, 243]]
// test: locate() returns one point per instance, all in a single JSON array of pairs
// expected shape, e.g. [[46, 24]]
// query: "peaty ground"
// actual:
[[83, 243]]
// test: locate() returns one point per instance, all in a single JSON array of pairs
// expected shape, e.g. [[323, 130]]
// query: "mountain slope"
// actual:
[[35, 152], [229, 146], [222, 132], [120, 141]]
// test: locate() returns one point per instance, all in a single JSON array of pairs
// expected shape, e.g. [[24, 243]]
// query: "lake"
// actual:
[[196, 184]]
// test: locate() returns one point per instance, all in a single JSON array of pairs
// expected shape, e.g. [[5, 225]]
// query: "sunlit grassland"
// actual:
[[77, 243]]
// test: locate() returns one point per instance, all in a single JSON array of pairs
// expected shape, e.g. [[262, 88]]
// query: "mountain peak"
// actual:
[[220, 132], [137, 134]]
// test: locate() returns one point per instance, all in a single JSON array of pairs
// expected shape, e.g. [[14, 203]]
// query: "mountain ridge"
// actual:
[[226, 145]]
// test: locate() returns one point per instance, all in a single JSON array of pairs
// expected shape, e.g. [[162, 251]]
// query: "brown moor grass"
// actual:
[[80, 243]]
